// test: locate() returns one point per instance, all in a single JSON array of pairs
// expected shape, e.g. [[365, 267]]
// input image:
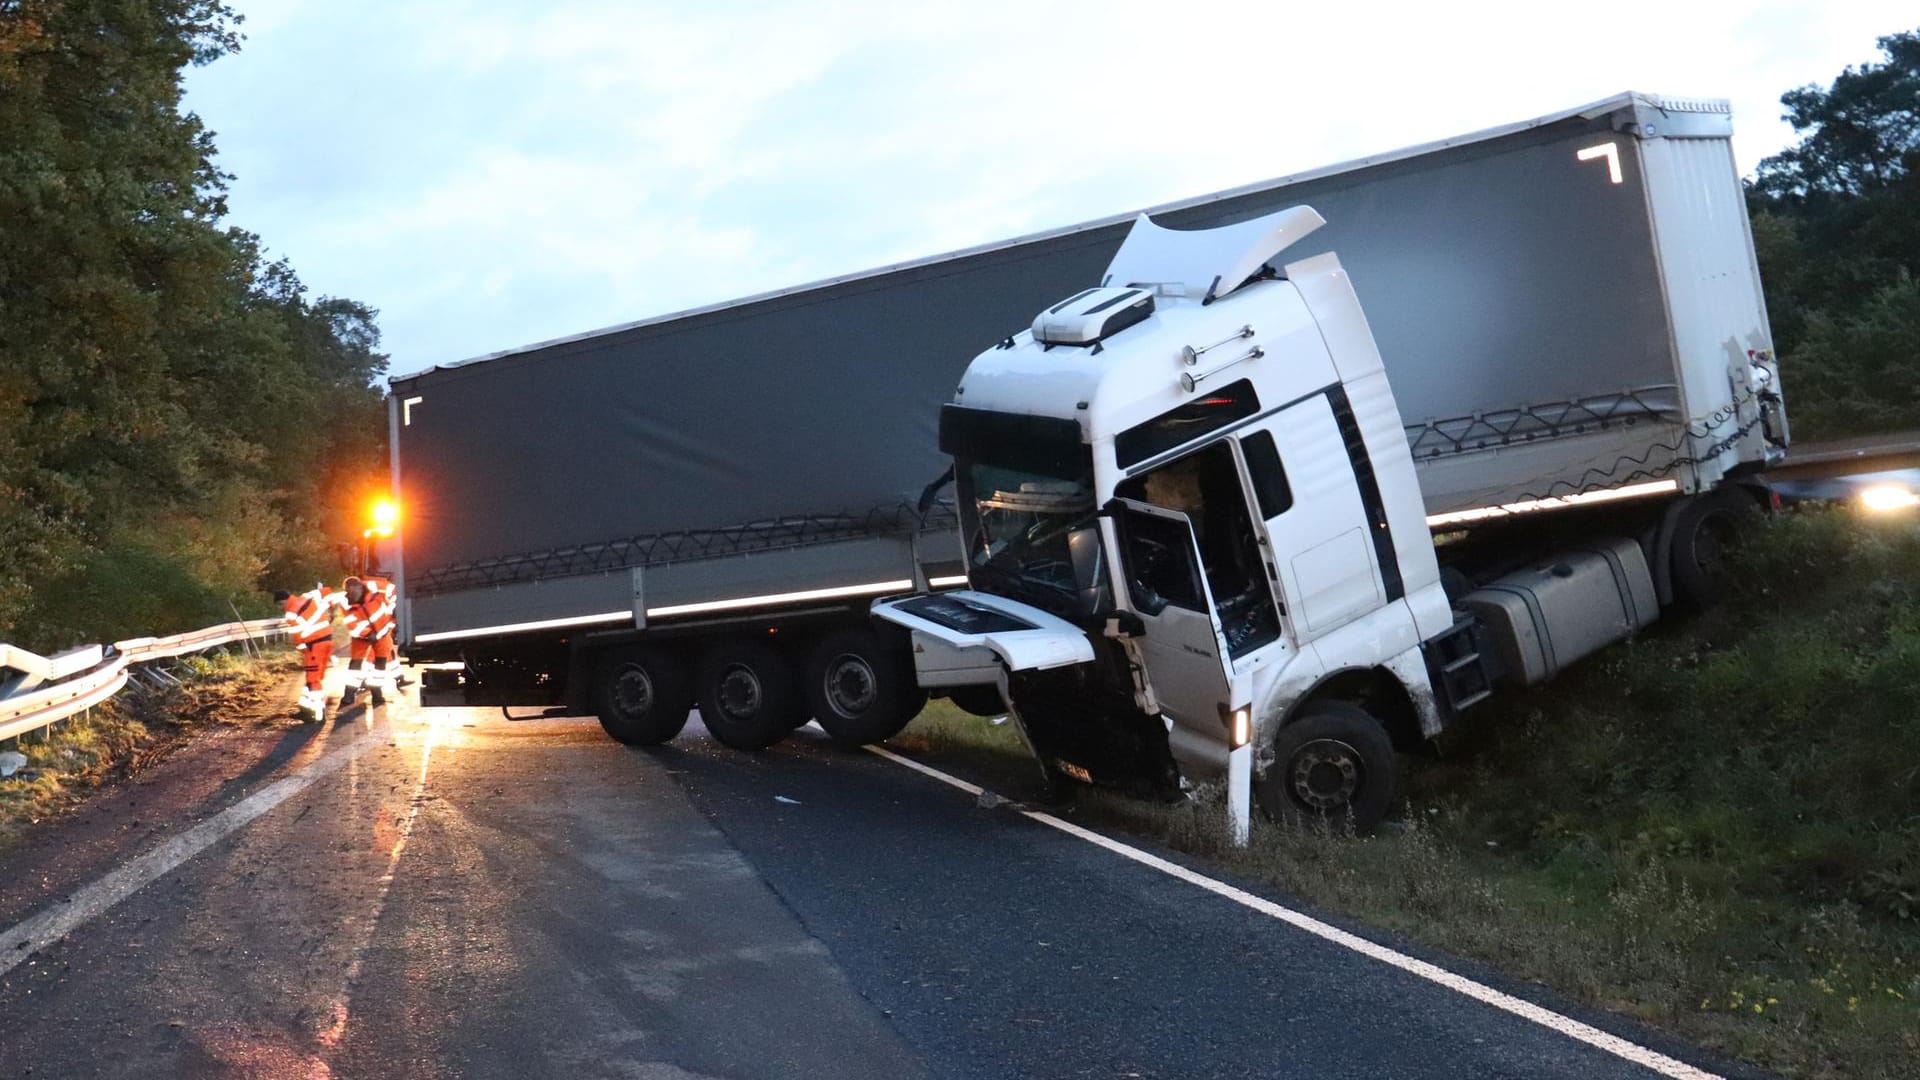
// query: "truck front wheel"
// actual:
[[749, 696], [641, 697], [1334, 762], [861, 687]]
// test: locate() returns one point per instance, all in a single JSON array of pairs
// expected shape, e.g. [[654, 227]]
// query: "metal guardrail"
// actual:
[[1850, 457], [37, 691]]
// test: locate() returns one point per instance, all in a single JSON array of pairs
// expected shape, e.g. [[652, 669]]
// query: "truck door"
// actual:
[[1164, 585], [1324, 543]]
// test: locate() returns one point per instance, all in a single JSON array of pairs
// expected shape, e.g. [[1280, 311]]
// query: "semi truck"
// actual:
[[1265, 487]]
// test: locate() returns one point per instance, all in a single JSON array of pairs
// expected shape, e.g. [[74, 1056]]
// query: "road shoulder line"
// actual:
[[1526, 1010], [68, 914]]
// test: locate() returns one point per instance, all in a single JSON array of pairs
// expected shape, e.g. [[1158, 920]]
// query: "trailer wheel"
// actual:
[[1704, 535], [981, 700], [749, 696], [641, 697], [1334, 763], [861, 687]]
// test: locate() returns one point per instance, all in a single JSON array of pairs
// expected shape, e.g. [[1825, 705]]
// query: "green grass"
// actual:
[[122, 735], [1715, 828]]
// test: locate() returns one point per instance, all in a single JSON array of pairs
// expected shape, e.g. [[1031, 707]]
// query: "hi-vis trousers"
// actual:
[[381, 652]]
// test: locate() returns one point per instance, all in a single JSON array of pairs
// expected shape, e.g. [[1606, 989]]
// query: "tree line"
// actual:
[[181, 423], [1836, 223]]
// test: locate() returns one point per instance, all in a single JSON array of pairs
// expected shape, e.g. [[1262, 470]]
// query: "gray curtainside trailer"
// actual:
[[722, 492]]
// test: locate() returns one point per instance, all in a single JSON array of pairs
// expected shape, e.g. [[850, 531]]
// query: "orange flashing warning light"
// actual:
[[386, 514]]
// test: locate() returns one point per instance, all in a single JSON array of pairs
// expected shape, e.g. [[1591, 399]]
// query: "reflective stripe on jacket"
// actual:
[[372, 618], [309, 616]]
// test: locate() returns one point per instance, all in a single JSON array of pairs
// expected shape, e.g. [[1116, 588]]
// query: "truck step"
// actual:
[[1459, 670], [1471, 700]]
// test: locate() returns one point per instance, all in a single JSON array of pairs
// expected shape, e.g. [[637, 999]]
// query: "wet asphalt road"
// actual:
[[473, 897]]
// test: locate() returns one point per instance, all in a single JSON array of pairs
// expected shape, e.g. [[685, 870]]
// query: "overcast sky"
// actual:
[[490, 173]]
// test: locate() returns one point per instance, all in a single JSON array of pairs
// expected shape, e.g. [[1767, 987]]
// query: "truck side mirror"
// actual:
[[1089, 558]]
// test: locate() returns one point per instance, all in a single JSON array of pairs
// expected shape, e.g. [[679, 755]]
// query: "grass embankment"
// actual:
[[135, 728], [1715, 828]]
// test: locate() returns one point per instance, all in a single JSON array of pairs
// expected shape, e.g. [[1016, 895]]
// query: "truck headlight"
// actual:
[[1885, 498]]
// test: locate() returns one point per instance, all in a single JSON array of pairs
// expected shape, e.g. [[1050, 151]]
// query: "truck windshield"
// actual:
[[1025, 485], [1020, 530]]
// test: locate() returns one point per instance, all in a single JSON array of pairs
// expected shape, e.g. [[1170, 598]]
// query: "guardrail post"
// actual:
[[244, 628]]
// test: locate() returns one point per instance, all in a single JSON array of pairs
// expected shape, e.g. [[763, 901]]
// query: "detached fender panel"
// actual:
[[1021, 636]]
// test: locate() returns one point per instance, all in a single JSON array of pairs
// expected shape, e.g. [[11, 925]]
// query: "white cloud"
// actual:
[[493, 173]]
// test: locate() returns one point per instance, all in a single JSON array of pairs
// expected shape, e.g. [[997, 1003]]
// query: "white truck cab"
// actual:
[[1187, 504]]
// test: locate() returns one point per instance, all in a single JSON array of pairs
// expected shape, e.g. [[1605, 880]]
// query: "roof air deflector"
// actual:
[[1208, 262]]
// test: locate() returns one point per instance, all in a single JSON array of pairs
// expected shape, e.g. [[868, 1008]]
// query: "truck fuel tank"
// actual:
[[1566, 607]]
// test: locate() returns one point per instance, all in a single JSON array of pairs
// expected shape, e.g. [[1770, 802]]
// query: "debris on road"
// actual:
[[126, 736], [784, 799]]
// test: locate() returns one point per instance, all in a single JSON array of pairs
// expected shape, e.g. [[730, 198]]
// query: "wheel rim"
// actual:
[[852, 687], [740, 692], [1325, 774], [633, 692]]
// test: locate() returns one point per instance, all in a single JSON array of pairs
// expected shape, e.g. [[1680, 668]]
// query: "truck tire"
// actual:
[[641, 697], [978, 700], [1703, 534], [861, 687], [749, 695], [1334, 762]]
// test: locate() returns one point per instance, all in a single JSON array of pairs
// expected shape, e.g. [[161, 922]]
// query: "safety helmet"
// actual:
[[354, 588]]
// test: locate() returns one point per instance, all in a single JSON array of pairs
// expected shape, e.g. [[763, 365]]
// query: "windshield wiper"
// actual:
[[1014, 584], [986, 574], [1046, 574]]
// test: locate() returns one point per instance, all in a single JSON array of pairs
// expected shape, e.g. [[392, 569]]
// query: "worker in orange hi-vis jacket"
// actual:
[[309, 618], [392, 591], [369, 609]]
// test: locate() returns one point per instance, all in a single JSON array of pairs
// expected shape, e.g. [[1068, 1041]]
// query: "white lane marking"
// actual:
[[971, 789], [24, 938], [1526, 1010]]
